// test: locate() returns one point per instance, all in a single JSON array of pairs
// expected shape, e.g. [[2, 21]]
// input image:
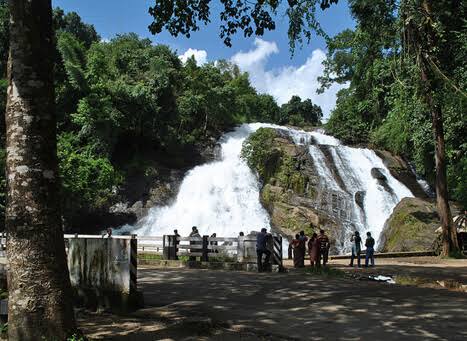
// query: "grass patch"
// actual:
[[217, 258], [458, 254], [150, 256], [413, 281]]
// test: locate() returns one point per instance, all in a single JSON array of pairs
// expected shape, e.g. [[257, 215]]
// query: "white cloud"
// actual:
[[284, 82], [201, 56], [257, 57]]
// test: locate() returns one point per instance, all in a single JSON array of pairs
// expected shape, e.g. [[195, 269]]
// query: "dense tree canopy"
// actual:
[[120, 101], [383, 104]]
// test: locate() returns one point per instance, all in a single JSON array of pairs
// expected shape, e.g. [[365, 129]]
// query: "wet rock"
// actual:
[[411, 227], [402, 171], [360, 198], [378, 174], [290, 191]]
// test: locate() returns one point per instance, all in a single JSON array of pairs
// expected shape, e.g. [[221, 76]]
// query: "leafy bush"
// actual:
[[259, 154], [88, 180]]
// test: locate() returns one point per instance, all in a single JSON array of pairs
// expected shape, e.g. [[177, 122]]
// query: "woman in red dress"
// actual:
[[297, 251], [313, 248]]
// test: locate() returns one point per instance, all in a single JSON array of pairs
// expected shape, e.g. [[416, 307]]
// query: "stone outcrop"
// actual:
[[402, 171], [411, 227], [290, 187]]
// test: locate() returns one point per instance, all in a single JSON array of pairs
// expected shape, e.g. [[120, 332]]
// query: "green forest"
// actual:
[[383, 105], [96, 133], [121, 102]]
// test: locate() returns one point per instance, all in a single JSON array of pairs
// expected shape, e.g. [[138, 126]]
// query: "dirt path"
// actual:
[[293, 305]]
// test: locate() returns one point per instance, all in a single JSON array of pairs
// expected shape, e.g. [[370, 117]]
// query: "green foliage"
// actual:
[[345, 122], [259, 153], [71, 23], [384, 104], [299, 113], [89, 180], [254, 17], [73, 55], [121, 102], [262, 155]]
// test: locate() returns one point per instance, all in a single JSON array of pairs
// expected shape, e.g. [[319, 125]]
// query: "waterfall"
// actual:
[[346, 171], [219, 197], [223, 196]]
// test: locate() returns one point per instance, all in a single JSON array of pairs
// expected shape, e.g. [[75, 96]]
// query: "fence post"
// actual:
[[133, 263], [169, 247], [204, 257], [240, 249], [277, 250]]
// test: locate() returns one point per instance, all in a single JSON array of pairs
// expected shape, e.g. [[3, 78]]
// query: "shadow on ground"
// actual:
[[294, 305]]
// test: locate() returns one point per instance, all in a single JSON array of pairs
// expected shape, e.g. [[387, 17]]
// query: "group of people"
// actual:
[[356, 241], [197, 239], [318, 249]]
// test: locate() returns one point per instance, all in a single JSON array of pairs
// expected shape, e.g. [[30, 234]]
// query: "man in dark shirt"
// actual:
[[370, 244], [177, 242], [323, 243], [262, 249]]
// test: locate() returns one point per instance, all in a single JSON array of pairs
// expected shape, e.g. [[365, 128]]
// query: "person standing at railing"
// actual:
[[262, 249], [213, 243], [177, 242], [197, 240], [108, 233]]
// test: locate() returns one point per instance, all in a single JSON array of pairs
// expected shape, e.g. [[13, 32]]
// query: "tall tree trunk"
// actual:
[[450, 243], [38, 279], [428, 79]]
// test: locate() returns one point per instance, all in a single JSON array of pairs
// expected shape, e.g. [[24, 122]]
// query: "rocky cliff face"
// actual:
[[289, 185], [402, 171], [306, 185]]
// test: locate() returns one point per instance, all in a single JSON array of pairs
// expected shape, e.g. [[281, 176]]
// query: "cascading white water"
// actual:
[[219, 197], [223, 196], [354, 166]]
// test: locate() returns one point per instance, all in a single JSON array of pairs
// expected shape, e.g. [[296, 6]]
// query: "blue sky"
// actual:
[[268, 60]]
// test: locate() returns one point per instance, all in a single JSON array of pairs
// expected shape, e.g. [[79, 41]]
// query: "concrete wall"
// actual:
[[102, 264]]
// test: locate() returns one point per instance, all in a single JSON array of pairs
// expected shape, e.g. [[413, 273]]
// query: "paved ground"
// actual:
[[294, 305]]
